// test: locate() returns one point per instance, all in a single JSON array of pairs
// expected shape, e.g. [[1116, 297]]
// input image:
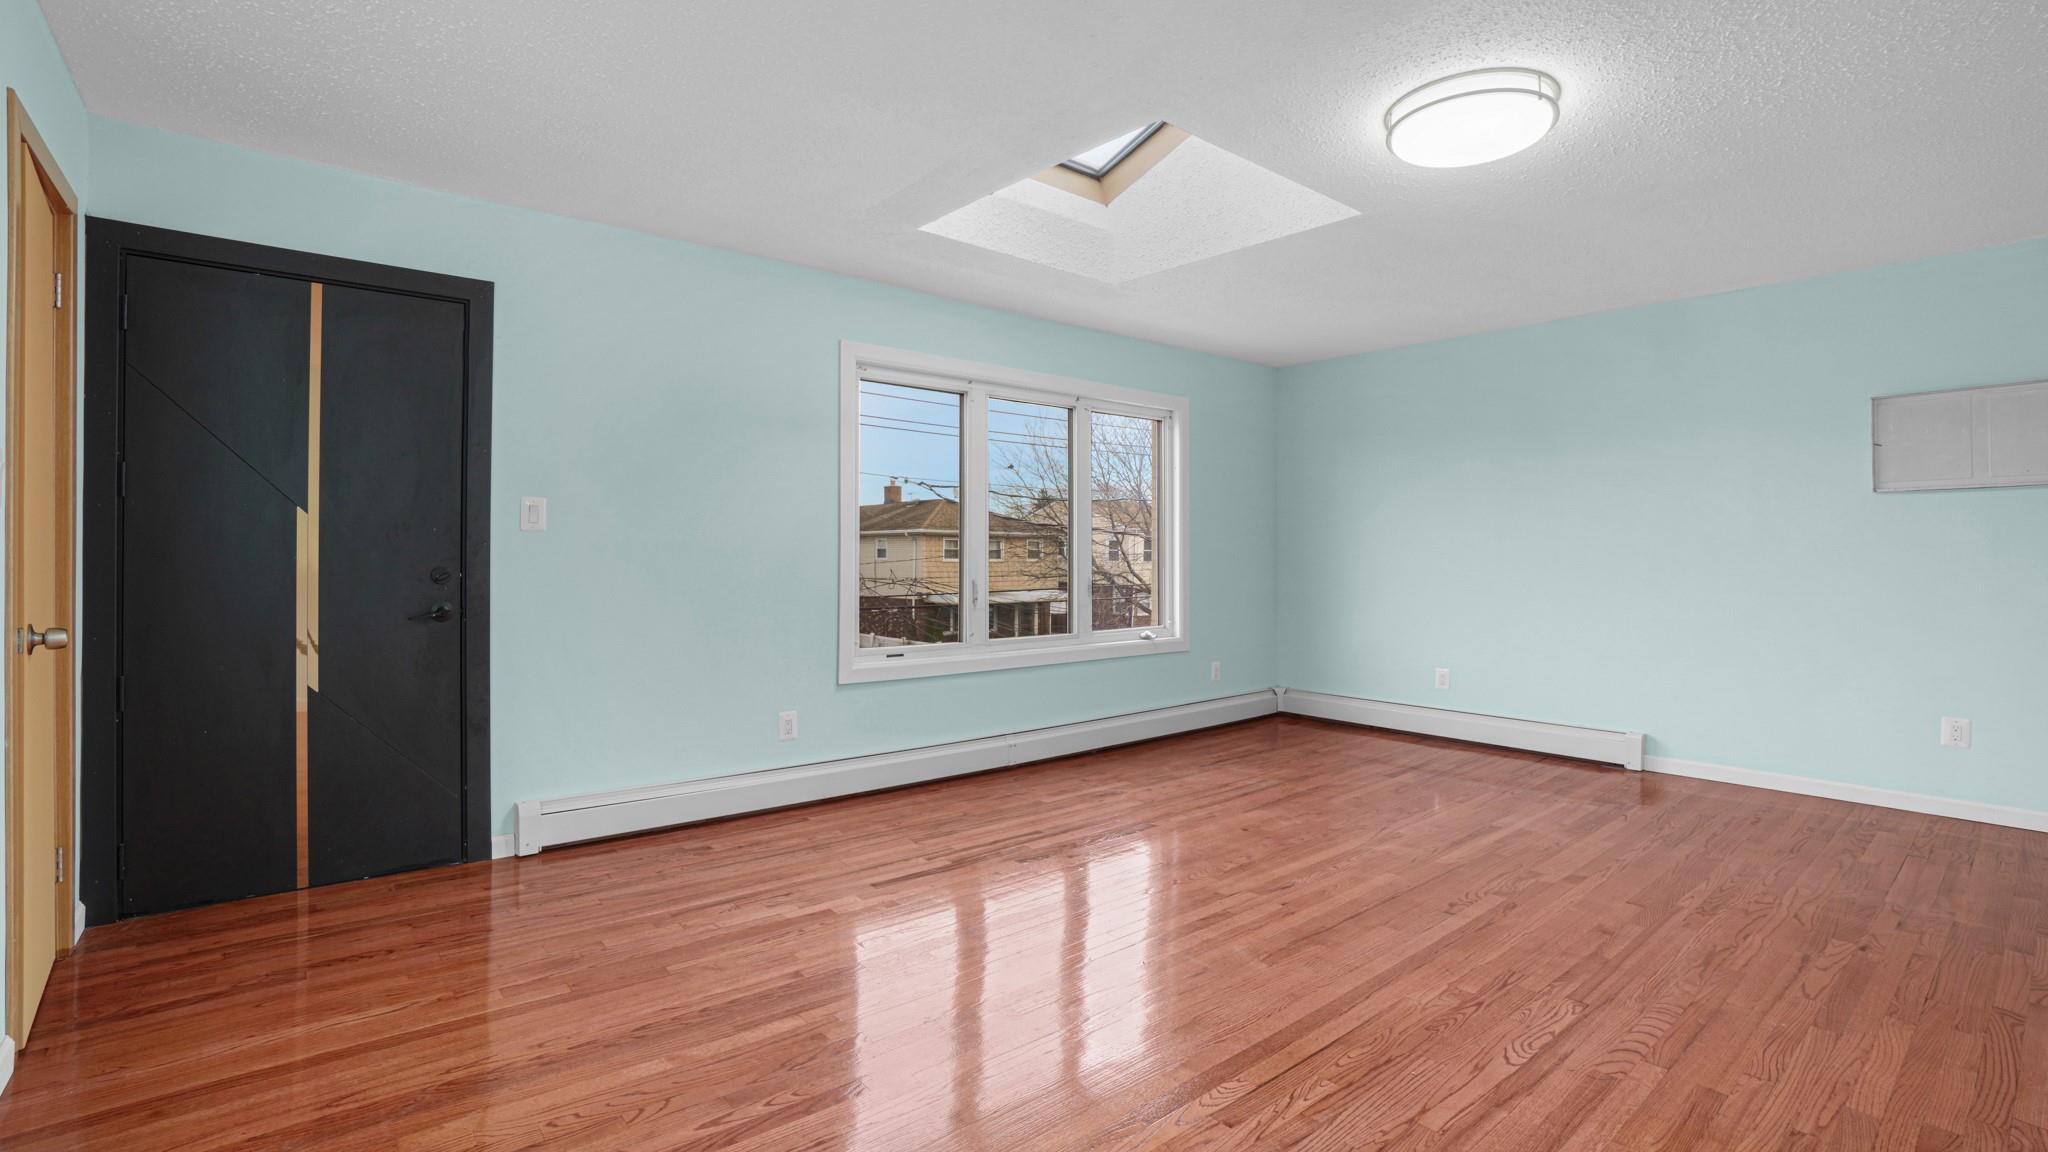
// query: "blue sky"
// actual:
[[914, 433]]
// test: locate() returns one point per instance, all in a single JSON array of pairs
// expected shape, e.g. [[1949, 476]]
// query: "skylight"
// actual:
[[1172, 200], [1100, 159]]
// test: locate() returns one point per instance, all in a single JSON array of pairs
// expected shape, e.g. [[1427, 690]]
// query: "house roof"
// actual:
[[939, 516], [1123, 515], [911, 516]]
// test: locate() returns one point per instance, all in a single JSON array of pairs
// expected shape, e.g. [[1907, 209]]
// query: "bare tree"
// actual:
[[1123, 496], [1030, 502]]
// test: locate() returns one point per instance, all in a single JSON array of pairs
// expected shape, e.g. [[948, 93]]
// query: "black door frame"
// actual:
[[108, 243]]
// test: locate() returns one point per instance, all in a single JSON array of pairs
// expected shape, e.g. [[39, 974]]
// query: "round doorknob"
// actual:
[[53, 638]]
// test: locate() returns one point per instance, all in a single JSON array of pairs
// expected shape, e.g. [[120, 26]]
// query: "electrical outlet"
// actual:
[[533, 513], [1443, 677], [1955, 732], [785, 725], [1216, 670]]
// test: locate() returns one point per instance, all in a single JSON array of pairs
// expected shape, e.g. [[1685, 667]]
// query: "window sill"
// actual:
[[917, 663]]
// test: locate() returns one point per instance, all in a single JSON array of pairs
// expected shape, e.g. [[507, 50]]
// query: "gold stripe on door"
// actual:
[[307, 640]]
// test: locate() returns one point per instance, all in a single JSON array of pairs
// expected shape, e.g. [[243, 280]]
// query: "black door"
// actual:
[[291, 552], [386, 772]]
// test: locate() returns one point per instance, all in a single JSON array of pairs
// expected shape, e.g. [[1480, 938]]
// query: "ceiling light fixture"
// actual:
[[1473, 117]]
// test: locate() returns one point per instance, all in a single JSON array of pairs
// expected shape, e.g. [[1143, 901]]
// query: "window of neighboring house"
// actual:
[[881, 549], [992, 455]]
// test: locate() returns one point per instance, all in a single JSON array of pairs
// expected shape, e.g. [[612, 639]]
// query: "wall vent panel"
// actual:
[[1992, 437]]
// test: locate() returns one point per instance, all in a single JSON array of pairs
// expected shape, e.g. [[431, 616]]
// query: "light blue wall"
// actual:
[[31, 65], [678, 406], [1661, 519]]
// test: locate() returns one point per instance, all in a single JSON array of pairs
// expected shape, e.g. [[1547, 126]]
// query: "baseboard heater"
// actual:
[[547, 823], [1598, 744]]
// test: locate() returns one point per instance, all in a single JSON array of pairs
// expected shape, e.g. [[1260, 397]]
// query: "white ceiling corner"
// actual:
[[1704, 145]]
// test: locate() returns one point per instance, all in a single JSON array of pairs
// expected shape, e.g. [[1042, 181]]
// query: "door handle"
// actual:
[[437, 613], [28, 639]]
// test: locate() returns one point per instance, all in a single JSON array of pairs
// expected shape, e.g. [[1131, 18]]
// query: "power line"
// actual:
[[953, 403], [867, 420], [921, 481], [995, 426], [994, 405], [1050, 498], [1106, 421], [1112, 419], [1013, 439]]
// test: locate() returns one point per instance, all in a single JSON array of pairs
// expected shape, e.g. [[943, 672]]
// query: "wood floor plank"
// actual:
[[1280, 934]]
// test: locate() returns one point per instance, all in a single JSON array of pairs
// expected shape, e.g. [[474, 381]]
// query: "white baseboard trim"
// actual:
[[1600, 744], [1919, 802], [6, 1061], [503, 846], [547, 823]]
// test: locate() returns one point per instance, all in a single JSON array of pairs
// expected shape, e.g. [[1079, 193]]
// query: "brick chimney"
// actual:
[[892, 493]]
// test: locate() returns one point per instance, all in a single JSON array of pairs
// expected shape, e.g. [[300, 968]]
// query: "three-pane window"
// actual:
[[983, 478]]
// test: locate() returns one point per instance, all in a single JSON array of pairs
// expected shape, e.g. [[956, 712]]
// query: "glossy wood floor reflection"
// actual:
[[1283, 934]]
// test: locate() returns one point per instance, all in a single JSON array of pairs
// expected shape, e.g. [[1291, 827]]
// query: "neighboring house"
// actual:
[[1125, 533], [910, 570]]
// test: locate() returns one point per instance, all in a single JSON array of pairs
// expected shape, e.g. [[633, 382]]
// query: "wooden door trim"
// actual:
[[21, 130], [107, 244]]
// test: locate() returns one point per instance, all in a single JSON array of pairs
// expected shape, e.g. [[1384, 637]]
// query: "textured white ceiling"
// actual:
[[1198, 202], [1705, 145]]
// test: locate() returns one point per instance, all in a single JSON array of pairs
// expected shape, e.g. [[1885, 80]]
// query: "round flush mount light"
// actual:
[[1473, 117]]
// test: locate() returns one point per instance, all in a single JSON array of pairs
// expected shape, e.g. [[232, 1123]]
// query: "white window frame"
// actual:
[[949, 548], [881, 547], [976, 651]]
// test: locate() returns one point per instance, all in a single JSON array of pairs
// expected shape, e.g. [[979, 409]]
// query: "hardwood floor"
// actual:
[[1283, 934]]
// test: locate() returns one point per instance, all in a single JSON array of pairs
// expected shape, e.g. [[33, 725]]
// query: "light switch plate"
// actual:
[[533, 513]]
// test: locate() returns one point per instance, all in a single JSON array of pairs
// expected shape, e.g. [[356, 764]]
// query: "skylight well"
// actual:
[[1152, 199]]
